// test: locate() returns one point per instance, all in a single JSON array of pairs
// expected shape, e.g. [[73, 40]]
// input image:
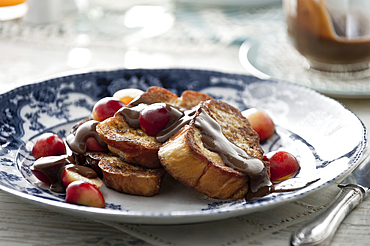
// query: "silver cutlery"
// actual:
[[321, 230]]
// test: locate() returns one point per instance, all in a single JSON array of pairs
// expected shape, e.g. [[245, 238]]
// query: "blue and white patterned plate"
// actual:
[[328, 139]]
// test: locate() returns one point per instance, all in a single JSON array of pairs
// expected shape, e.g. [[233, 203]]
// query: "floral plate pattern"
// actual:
[[328, 139]]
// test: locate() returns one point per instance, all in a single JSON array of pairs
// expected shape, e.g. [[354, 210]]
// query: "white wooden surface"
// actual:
[[22, 223], [354, 230]]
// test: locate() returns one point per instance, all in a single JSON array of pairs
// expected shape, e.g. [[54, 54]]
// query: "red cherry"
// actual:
[[283, 165], [83, 193], [41, 176], [93, 145], [48, 144], [106, 108], [154, 118], [73, 173], [260, 122]]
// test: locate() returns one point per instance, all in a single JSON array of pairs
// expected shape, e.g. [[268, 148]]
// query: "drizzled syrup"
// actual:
[[233, 156], [212, 138], [52, 167], [77, 141]]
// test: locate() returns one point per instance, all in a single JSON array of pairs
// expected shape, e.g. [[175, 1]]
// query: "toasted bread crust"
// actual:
[[92, 159], [124, 177], [161, 95], [241, 133], [190, 98], [130, 179], [134, 145], [119, 175], [185, 158], [140, 162]]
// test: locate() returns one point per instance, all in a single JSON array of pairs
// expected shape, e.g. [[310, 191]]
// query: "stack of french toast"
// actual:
[[210, 148]]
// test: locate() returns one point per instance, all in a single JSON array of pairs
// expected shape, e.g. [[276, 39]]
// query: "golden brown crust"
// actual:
[[150, 158], [190, 98], [120, 175], [134, 145], [186, 159], [130, 179], [160, 95], [184, 156], [92, 159], [124, 177], [241, 133]]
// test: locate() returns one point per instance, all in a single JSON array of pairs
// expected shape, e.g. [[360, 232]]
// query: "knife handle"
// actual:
[[320, 231]]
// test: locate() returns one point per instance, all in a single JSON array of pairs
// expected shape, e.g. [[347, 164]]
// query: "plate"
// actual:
[[274, 57], [329, 141]]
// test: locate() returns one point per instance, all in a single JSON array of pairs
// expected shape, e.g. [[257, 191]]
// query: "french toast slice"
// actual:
[[187, 158], [133, 144], [123, 177], [130, 179], [118, 174]]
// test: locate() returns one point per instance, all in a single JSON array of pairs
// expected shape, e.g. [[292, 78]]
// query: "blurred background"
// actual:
[[42, 38]]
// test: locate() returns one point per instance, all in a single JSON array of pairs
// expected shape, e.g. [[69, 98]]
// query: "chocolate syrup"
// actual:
[[133, 110], [77, 141], [293, 184], [177, 122], [233, 156], [139, 100], [52, 167], [212, 138], [83, 171], [132, 117]]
